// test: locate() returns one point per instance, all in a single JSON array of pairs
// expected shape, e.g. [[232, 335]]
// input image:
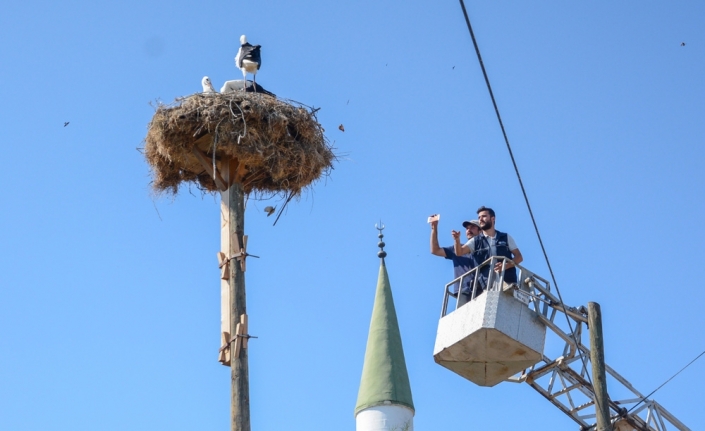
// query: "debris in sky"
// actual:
[[269, 210], [66, 123], [682, 43], [342, 129], [453, 67], [348, 102], [248, 59]]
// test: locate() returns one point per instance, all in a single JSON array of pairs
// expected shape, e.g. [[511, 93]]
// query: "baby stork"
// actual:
[[248, 59], [207, 85]]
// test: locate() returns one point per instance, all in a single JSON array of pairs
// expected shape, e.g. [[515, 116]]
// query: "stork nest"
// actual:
[[275, 146]]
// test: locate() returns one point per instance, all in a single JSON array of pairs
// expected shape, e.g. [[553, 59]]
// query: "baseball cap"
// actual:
[[475, 222]]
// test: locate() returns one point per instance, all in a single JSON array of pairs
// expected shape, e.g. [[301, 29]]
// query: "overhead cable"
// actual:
[[521, 183], [664, 383]]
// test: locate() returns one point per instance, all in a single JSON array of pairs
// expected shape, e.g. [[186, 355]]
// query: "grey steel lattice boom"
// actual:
[[564, 379]]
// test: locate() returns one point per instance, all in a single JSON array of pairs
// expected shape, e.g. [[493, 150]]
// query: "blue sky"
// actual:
[[109, 298]]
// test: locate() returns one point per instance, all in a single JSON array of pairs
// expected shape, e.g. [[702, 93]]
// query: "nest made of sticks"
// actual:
[[275, 146]]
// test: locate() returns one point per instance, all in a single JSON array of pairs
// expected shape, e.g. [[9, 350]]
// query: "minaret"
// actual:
[[384, 401]]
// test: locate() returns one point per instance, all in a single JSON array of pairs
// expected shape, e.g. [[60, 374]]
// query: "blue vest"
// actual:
[[483, 252]]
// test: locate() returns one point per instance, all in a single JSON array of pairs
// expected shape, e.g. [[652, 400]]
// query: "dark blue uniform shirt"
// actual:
[[461, 265]]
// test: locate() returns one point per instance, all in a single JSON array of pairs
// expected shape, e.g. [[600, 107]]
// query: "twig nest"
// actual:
[[278, 146]]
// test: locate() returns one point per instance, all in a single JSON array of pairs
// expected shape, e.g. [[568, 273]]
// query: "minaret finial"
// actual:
[[381, 253]]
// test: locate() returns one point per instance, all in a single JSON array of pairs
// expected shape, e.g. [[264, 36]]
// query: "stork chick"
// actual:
[[248, 59], [207, 86]]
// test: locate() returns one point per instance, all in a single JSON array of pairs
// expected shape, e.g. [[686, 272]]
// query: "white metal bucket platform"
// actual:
[[500, 335], [492, 337]]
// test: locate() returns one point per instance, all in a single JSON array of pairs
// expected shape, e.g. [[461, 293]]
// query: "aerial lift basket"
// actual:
[[495, 335]]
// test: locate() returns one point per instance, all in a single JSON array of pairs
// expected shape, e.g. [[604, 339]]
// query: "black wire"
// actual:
[[533, 220], [521, 183], [664, 383]]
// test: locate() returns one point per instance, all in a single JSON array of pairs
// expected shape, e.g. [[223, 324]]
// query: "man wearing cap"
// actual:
[[461, 264], [490, 242]]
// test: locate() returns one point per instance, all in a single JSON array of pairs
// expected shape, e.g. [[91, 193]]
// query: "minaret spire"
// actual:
[[384, 400]]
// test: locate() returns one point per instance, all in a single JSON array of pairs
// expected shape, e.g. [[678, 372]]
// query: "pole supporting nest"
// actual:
[[239, 368], [219, 181], [236, 144]]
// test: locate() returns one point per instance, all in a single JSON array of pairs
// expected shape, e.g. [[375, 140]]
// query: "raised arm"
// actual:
[[460, 249], [435, 248]]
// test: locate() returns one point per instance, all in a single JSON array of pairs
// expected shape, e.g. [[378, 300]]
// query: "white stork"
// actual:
[[248, 59], [207, 86]]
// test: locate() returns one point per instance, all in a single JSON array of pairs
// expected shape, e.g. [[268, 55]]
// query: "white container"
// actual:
[[490, 339]]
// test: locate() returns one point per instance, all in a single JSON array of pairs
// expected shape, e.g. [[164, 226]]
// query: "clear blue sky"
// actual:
[[109, 298]]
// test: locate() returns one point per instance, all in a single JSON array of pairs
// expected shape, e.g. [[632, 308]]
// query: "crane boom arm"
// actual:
[[565, 379]]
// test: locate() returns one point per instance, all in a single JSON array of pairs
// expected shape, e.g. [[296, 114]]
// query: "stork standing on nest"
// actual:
[[248, 59]]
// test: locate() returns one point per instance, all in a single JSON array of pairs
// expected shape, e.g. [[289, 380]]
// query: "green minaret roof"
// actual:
[[384, 377]]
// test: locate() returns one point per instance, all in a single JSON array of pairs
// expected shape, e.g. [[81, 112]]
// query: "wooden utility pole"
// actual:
[[201, 140], [599, 378], [233, 298]]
